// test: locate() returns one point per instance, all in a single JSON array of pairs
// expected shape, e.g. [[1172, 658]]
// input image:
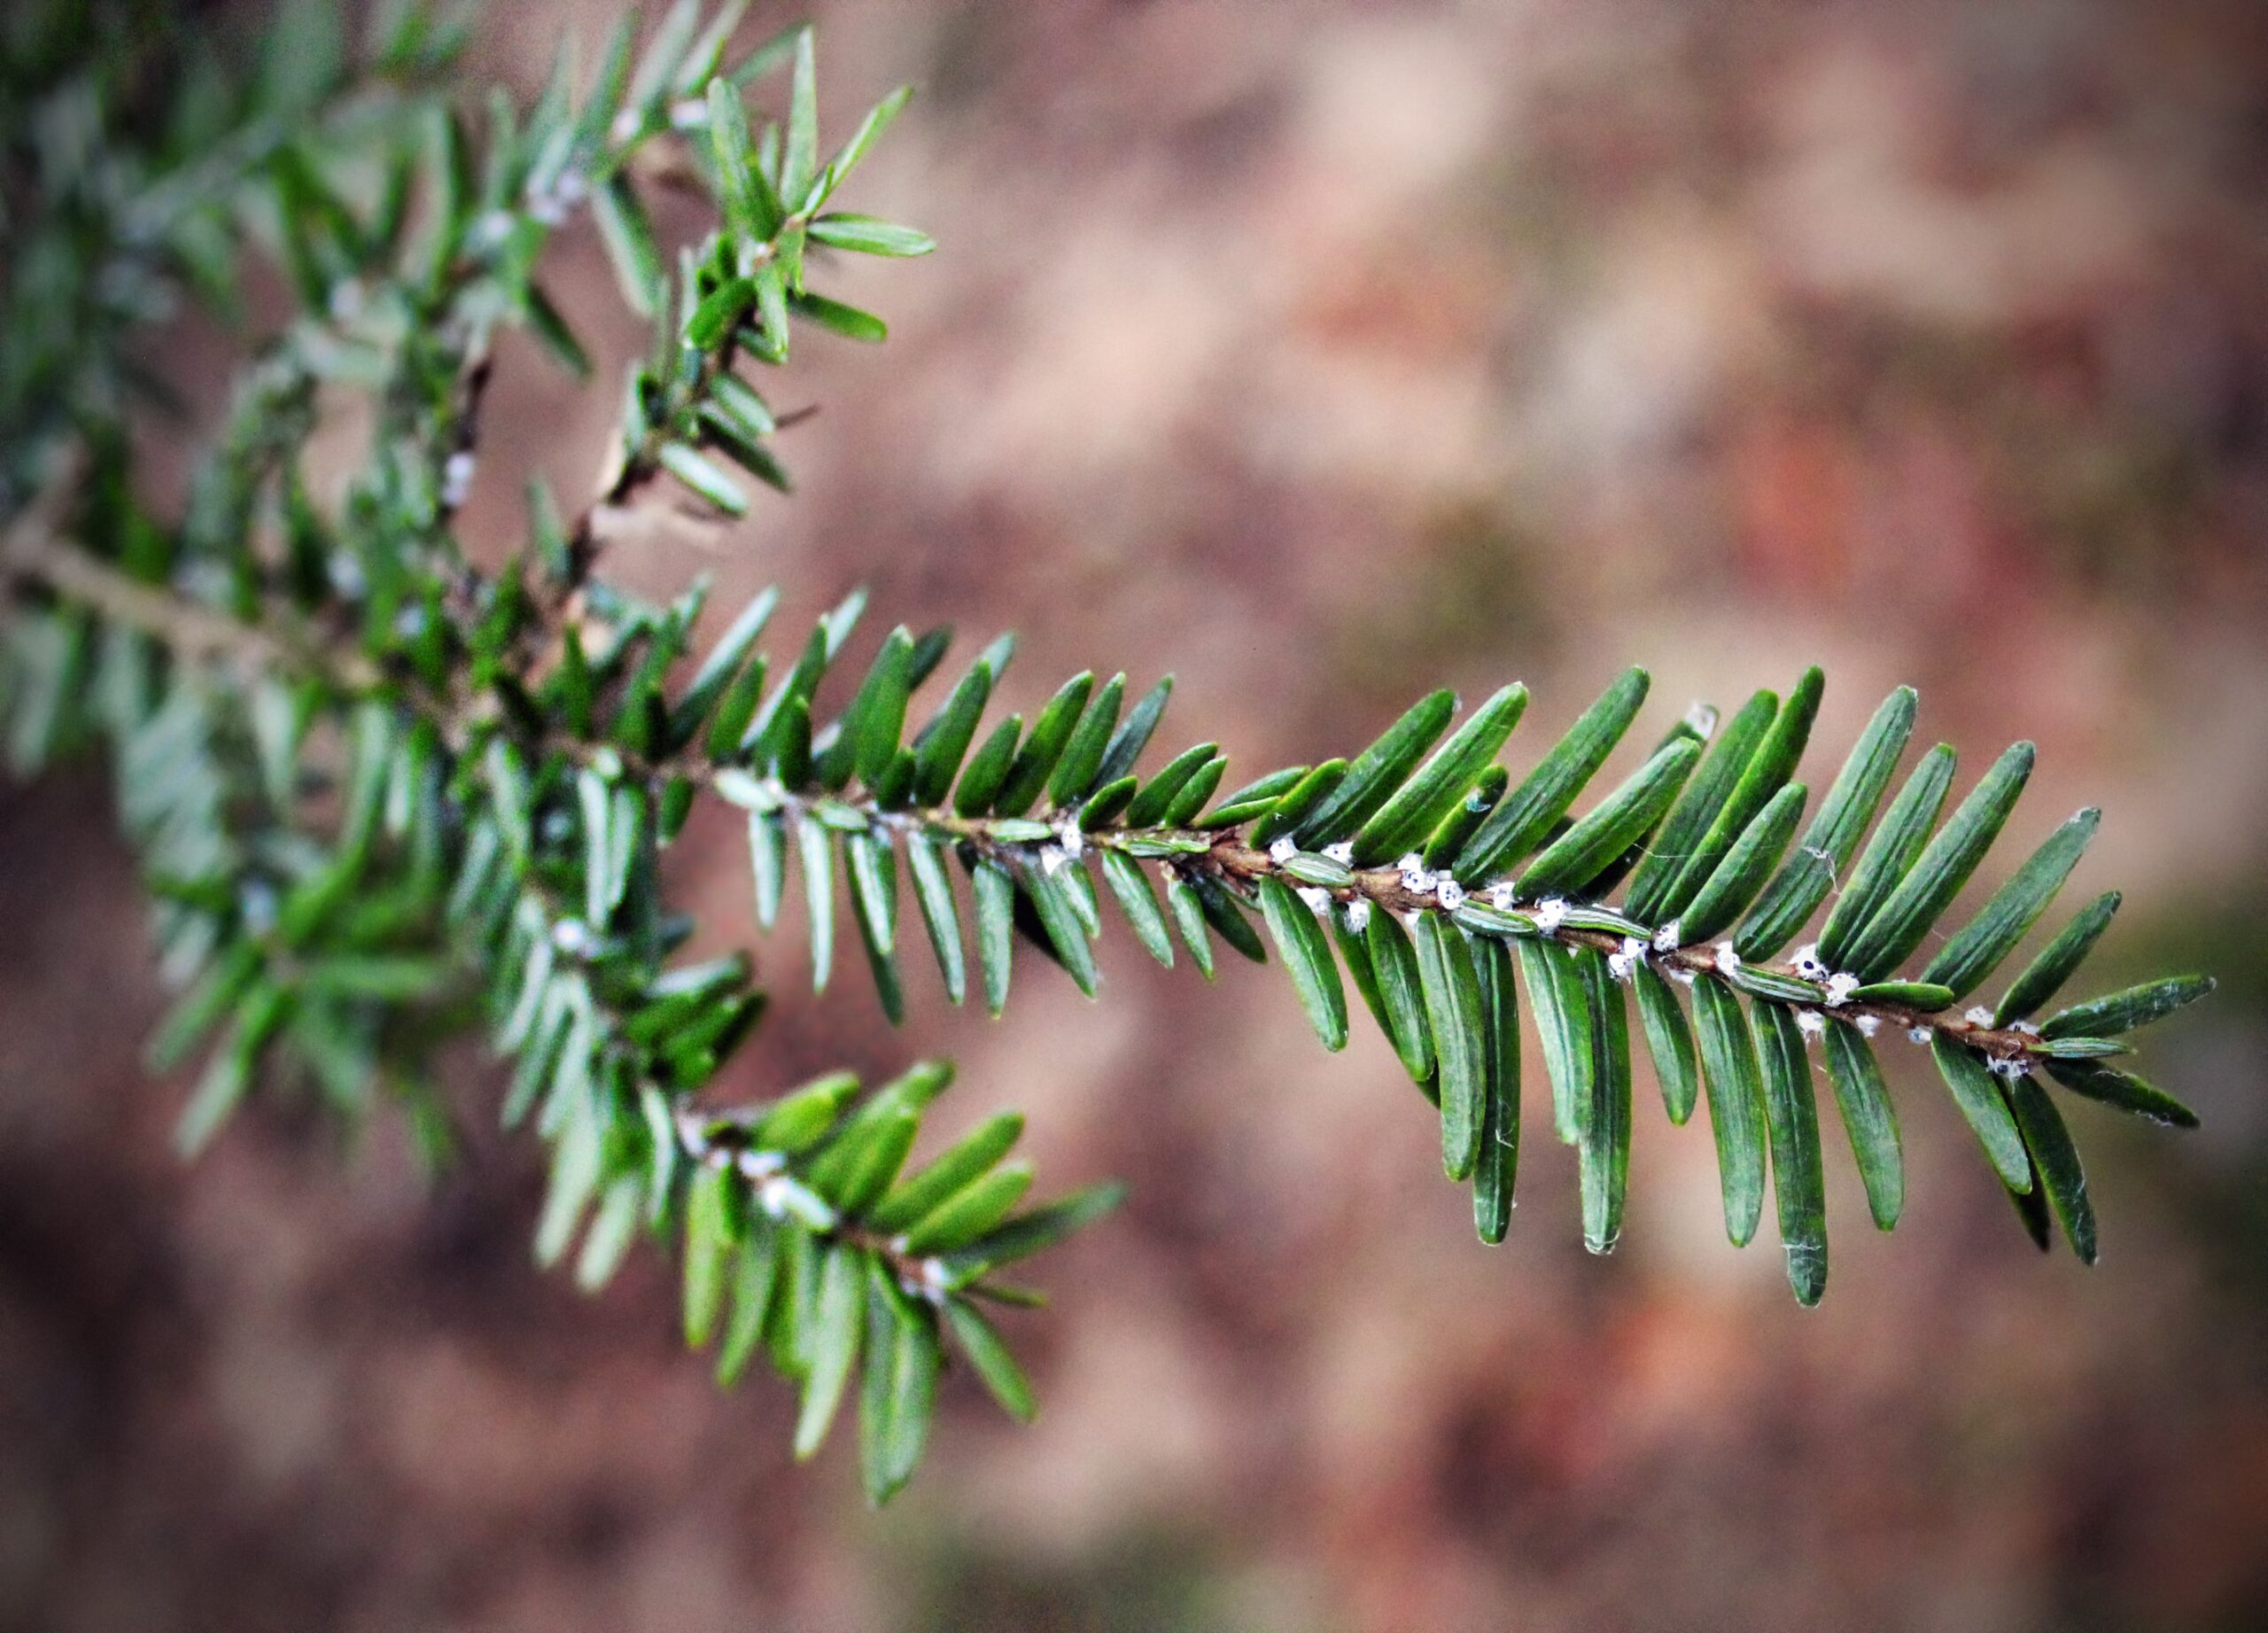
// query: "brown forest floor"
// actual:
[[1322, 353]]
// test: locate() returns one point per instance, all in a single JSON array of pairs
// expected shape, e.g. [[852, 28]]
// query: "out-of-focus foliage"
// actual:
[[376, 791]]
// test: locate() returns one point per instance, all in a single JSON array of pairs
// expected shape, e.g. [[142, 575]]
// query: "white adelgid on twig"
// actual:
[[1869, 1025], [550, 206], [1358, 914], [1282, 851], [493, 229], [1415, 878], [261, 906], [1921, 1034], [927, 1278], [1501, 897], [1840, 985], [1808, 964], [759, 1167], [1728, 961], [1550, 913], [456, 480], [1622, 964], [1342, 853], [1071, 837], [1450, 894], [1810, 1023], [1317, 898], [1666, 937], [779, 1196]]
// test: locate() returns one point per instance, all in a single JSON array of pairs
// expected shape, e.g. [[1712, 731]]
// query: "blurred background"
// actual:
[[1321, 355]]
